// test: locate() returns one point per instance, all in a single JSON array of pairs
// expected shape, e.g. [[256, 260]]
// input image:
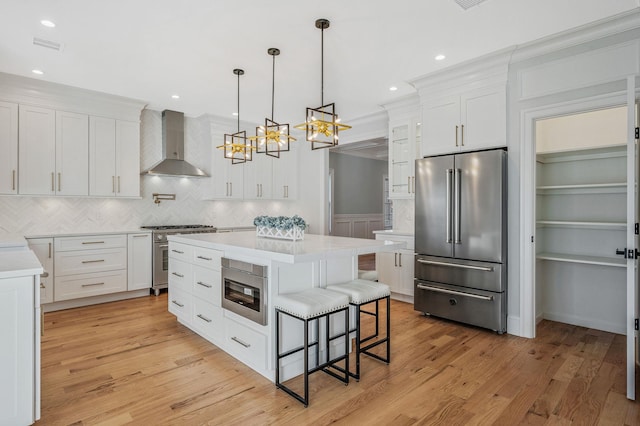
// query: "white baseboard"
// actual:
[[86, 301], [586, 322]]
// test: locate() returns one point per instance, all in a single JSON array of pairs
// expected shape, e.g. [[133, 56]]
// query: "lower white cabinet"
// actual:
[[43, 249], [396, 269], [246, 344], [139, 261]]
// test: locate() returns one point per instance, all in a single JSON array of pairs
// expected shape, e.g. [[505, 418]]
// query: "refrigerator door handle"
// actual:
[[456, 209], [456, 265], [455, 293], [448, 204]]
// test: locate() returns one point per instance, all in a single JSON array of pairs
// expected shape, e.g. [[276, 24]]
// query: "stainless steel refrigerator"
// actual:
[[461, 238]]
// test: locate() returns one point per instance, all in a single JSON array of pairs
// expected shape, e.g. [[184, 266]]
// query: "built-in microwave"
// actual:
[[244, 289]]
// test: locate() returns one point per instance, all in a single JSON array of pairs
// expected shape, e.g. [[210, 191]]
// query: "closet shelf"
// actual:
[[587, 260], [581, 224], [589, 188]]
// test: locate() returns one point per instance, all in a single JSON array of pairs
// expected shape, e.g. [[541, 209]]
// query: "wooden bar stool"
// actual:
[[311, 306], [361, 293]]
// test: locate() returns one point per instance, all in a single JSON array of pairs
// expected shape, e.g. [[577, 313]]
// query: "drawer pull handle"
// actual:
[[204, 258], [91, 285], [204, 284], [235, 339], [455, 293], [177, 275], [177, 251], [93, 242], [141, 236], [42, 285], [45, 274], [202, 317], [177, 304], [163, 245], [93, 261], [456, 265]]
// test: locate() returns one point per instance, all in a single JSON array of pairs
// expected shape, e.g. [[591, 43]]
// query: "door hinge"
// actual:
[[637, 228], [628, 254], [637, 325], [637, 132]]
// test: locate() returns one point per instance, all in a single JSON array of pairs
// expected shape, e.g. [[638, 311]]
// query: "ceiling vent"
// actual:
[[47, 43], [466, 4]]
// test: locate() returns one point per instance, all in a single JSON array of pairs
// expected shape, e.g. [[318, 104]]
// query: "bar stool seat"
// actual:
[[362, 292], [311, 306]]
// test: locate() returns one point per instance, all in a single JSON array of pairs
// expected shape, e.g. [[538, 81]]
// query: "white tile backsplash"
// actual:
[[403, 215]]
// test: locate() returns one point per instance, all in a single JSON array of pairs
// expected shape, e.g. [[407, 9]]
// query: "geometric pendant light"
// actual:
[[322, 124], [237, 147], [272, 138]]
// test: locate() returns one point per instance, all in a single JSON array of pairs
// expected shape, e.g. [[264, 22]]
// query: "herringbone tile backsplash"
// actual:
[[50, 215]]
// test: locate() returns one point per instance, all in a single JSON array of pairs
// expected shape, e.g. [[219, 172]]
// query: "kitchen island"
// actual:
[[197, 291]]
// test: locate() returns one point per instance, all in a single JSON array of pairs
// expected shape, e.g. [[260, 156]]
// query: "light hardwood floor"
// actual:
[[130, 362]]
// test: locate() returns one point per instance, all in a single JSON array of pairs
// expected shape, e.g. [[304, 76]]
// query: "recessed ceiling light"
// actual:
[[439, 57], [175, 96], [48, 23], [393, 88], [39, 72], [235, 114]]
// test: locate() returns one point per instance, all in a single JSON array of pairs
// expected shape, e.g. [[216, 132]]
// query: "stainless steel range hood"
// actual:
[[172, 163]]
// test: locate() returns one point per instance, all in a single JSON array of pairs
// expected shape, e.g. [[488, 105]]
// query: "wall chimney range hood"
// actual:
[[173, 163]]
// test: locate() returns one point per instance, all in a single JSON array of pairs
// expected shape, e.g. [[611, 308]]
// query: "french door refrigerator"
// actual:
[[461, 238]]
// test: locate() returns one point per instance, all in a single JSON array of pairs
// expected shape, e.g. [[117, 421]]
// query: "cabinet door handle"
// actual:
[[113, 184], [177, 251], [202, 317], [395, 262], [462, 135], [92, 285], [204, 258], [456, 135], [177, 275], [177, 303], [235, 339], [400, 260], [93, 242], [93, 261], [413, 184], [59, 182], [50, 250], [204, 284], [42, 285], [257, 190], [409, 184], [53, 183], [13, 180]]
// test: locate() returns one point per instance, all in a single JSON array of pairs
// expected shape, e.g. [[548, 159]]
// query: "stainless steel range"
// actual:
[[161, 249]]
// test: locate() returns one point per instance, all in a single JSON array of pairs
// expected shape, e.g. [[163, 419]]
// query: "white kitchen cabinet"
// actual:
[[139, 261], [53, 152], [9, 148], [467, 121], [114, 157], [396, 269], [43, 249], [257, 177], [285, 174], [227, 178], [404, 148]]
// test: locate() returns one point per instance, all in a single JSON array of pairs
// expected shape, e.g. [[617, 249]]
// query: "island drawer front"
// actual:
[[87, 261], [180, 274], [85, 285], [206, 285], [208, 320], [90, 242], [180, 251], [207, 258], [248, 345], [180, 304]]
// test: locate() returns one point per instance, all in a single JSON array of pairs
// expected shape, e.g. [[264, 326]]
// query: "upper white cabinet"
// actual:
[[9, 148], [53, 152], [470, 121], [404, 146], [257, 177], [114, 153], [464, 107], [227, 178], [285, 174]]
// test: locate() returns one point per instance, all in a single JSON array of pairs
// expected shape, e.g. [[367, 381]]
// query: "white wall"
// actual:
[[46, 215]]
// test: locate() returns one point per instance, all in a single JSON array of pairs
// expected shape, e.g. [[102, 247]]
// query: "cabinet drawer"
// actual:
[[180, 274], [85, 285], [207, 258], [206, 285], [180, 251], [90, 242], [87, 261], [207, 320], [248, 345], [180, 304]]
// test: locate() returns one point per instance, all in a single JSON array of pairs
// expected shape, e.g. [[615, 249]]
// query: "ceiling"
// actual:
[[153, 49]]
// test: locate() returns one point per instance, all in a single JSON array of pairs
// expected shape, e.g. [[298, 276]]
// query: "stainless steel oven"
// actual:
[[160, 253], [244, 289]]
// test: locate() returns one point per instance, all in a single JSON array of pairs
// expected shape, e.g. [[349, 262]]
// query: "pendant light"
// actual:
[[237, 147], [272, 138], [322, 124]]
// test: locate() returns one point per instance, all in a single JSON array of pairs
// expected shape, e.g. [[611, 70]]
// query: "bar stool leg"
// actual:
[[358, 337], [306, 363], [388, 329]]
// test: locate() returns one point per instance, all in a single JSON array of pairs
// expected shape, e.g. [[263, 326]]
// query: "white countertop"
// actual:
[[313, 247], [19, 263], [12, 241], [394, 232], [80, 234]]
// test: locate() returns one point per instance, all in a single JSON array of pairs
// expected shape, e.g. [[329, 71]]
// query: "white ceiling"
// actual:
[[152, 49]]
